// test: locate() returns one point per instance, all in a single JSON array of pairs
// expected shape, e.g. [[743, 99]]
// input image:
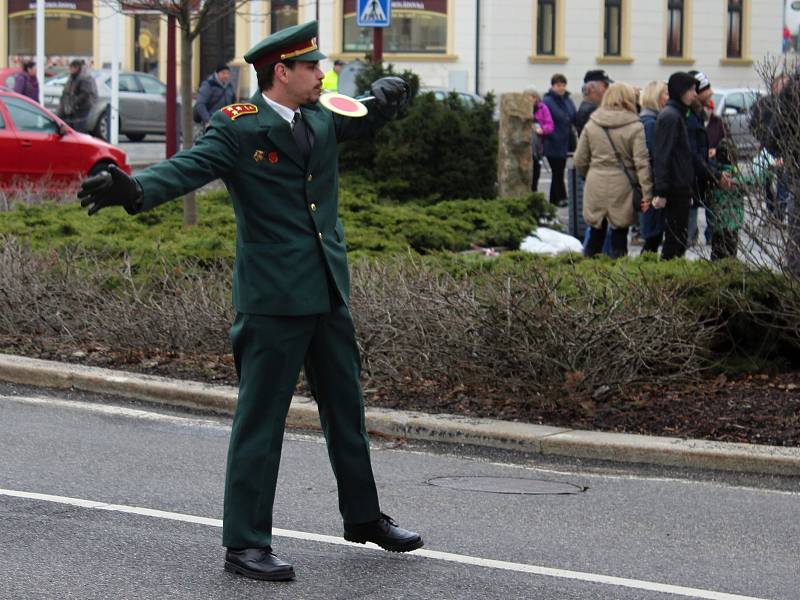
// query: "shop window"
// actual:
[[69, 32], [735, 28], [284, 14], [676, 22], [146, 53], [417, 29]]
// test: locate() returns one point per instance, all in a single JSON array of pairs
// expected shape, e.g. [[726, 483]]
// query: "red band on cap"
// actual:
[[286, 53]]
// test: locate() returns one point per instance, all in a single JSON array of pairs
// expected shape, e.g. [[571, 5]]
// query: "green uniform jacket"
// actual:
[[289, 240]]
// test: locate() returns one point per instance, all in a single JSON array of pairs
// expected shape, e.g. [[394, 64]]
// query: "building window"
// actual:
[[284, 14], [612, 28], [69, 31], [735, 28], [546, 28], [418, 27], [675, 27]]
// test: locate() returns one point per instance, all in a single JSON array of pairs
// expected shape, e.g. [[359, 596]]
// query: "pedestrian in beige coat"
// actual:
[[608, 195]]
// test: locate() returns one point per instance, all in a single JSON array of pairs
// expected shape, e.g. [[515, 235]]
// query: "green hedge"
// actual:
[[435, 151], [372, 227]]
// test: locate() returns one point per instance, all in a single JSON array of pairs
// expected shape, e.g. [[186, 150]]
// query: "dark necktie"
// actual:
[[302, 135]]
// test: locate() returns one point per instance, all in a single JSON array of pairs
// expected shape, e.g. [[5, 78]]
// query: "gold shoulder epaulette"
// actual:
[[237, 110]]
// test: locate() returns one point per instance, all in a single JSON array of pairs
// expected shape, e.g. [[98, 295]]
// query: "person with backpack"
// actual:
[[215, 92]]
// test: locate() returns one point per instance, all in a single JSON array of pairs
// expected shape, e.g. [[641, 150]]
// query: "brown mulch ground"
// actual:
[[759, 408]]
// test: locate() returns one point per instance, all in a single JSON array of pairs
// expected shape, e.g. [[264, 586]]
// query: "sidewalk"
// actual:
[[523, 437]]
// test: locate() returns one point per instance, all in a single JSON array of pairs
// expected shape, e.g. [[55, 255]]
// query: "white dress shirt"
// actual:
[[284, 111]]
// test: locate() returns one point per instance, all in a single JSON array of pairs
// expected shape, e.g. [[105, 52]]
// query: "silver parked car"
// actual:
[[733, 106], [142, 103]]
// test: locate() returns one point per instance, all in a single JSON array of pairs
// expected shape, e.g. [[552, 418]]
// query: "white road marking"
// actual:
[[146, 415], [432, 554]]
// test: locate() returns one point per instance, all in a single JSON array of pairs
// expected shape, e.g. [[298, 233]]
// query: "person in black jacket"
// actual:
[[673, 172], [215, 92]]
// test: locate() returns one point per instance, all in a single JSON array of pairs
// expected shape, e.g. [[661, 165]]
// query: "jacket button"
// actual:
[[320, 235], [313, 207], [310, 177]]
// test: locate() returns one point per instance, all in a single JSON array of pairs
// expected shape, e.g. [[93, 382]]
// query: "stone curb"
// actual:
[[537, 439]]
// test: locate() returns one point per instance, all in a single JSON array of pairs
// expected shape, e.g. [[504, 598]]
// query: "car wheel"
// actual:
[[99, 167], [135, 137], [101, 129]]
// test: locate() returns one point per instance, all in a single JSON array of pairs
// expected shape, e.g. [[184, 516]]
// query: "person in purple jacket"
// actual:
[[542, 126], [25, 82]]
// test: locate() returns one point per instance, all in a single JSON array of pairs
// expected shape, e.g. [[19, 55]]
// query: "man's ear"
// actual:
[[281, 73]]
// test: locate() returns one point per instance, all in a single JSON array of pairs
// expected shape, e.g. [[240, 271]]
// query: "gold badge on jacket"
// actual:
[[258, 155]]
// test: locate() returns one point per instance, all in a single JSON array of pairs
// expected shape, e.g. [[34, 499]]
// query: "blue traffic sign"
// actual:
[[374, 13]]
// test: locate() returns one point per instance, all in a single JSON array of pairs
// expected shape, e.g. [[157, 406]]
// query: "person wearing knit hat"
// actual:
[[673, 171]]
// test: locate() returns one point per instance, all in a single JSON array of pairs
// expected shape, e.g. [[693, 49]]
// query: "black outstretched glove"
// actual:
[[111, 188], [391, 95]]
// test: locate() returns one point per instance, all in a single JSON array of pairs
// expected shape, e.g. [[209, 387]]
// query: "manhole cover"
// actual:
[[507, 485]]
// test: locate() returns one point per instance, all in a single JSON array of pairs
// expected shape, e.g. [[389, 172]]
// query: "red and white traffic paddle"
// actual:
[[344, 105]]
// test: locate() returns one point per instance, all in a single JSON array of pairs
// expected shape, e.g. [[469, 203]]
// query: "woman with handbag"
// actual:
[[612, 156], [542, 126]]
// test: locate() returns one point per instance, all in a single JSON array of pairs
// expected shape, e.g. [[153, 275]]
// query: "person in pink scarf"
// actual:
[[542, 126]]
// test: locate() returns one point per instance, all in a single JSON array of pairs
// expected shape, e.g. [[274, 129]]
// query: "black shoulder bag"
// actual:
[[638, 195]]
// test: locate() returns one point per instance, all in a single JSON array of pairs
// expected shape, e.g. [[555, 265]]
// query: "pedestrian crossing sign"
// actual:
[[373, 13]]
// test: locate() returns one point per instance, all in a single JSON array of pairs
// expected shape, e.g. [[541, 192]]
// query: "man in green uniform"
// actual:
[[278, 158]]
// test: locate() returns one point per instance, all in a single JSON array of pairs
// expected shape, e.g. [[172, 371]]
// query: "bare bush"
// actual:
[[521, 333], [26, 192], [769, 190], [78, 297], [509, 334]]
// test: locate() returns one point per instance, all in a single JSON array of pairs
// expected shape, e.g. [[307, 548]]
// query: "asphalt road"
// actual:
[[654, 528]]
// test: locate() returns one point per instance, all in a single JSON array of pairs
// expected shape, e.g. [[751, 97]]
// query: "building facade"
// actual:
[[471, 45]]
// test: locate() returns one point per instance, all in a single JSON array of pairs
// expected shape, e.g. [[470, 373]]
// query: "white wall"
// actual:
[[506, 43]]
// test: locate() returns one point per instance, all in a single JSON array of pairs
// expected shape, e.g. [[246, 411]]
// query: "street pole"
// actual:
[[255, 35], [114, 112], [172, 130], [377, 45], [40, 66]]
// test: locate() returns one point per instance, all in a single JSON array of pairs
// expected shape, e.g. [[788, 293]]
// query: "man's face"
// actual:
[[597, 91], [338, 68], [560, 88], [74, 69], [32, 71], [704, 96], [304, 82], [689, 96], [224, 75]]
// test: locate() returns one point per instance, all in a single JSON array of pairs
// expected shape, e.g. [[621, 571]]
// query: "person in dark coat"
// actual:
[[706, 173], [278, 158], [557, 144], [25, 83], [673, 169], [215, 92], [78, 97], [595, 84]]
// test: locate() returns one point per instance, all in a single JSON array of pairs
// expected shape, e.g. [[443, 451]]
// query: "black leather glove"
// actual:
[[111, 188], [391, 95]]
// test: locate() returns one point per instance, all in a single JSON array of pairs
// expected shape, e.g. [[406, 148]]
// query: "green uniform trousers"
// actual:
[[269, 352]]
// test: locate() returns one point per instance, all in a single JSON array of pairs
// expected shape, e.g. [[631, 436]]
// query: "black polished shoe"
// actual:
[[258, 563], [385, 533]]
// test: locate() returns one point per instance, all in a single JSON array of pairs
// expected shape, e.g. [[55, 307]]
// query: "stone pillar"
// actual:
[[514, 156]]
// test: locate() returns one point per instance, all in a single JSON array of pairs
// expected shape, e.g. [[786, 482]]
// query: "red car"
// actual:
[[36, 147]]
